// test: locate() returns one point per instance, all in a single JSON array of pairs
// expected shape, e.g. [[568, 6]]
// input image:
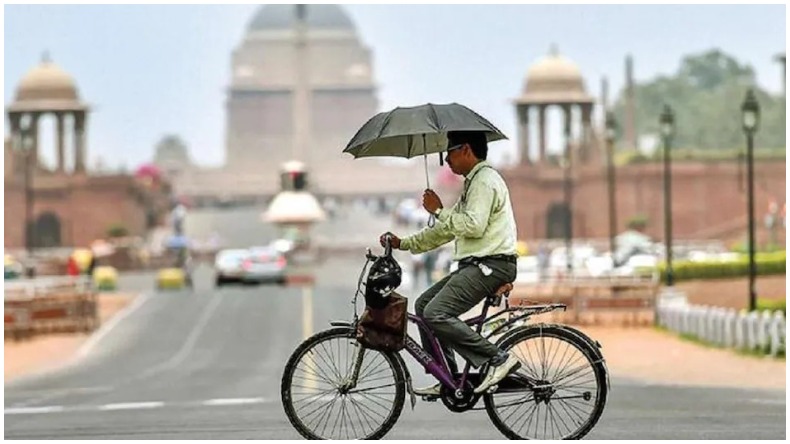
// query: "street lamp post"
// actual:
[[611, 128], [28, 150], [567, 198], [751, 119], [667, 121]]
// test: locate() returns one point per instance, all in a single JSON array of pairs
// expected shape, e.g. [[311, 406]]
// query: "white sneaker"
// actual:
[[434, 390], [498, 373]]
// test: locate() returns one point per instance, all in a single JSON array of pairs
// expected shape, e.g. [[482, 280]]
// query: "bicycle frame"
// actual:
[[440, 370]]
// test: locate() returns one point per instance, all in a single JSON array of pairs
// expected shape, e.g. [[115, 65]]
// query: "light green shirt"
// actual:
[[481, 221]]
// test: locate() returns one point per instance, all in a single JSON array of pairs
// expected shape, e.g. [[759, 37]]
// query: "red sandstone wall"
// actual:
[[86, 210], [707, 201]]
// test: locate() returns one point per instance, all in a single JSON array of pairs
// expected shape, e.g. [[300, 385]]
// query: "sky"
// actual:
[[151, 70]]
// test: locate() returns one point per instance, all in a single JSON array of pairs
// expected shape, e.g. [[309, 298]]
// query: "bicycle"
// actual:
[[359, 393]]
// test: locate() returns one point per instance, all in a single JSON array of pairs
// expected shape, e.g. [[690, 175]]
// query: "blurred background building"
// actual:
[[709, 200], [67, 205], [262, 123]]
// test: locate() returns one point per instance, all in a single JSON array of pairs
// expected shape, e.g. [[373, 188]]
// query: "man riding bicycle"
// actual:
[[484, 229]]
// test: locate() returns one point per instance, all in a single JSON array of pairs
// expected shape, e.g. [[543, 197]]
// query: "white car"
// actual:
[[264, 264], [228, 266]]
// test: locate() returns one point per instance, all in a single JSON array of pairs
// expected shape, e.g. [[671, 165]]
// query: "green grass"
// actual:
[[772, 305]]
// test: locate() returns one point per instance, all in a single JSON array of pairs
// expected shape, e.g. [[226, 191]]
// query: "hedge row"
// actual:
[[767, 264]]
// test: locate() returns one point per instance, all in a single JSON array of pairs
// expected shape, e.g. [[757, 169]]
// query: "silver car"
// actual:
[[264, 264], [228, 266]]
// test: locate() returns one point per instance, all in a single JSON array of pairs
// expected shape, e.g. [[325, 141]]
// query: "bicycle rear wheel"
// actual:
[[571, 386], [316, 396]]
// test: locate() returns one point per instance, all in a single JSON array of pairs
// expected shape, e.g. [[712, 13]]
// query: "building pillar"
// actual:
[[586, 131], [16, 140], [566, 109], [523, 133], [33, 122], [542, 131], [60, 142], [79, 141]]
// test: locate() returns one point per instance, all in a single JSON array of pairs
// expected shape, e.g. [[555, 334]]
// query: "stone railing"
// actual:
[[762, 332]]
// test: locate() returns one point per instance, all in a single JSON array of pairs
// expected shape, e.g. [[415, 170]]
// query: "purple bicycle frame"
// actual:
[[440, 370]]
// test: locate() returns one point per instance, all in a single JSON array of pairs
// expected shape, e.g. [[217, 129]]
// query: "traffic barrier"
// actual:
[[299, 280], [763, 332], [597, 300], [50, 305]]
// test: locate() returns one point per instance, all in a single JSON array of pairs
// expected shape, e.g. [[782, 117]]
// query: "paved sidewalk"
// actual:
[[655, 356]]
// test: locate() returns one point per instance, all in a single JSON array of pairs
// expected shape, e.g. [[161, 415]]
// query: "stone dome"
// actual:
[[554, 78], [47, 81], [278, 17]]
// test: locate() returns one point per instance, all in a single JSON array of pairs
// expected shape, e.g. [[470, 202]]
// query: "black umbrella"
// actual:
[[415, 131]]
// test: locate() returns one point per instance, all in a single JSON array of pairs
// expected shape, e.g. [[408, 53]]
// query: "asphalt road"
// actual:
[[207, 365]]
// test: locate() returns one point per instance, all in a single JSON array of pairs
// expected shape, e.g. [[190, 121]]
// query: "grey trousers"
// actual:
[[454, 295]]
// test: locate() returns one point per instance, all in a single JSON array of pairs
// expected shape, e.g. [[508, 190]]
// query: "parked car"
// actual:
[[264, 264], [228, 265]]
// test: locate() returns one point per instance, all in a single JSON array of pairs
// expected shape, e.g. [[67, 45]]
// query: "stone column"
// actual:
[[34, 134], [566, 109], [60, 142], [586, 131], [542, 131], [79, 141], [16, 139], [523, 133]]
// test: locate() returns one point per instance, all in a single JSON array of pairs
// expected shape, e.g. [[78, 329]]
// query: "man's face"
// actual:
[[456, 158]]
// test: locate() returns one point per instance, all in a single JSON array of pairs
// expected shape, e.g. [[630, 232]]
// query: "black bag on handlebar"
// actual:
[[384, 328]]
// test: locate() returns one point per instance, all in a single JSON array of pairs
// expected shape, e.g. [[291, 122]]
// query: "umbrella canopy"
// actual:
[[416, 131]]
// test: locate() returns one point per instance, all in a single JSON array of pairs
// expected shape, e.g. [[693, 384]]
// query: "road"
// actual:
[[208, 364]]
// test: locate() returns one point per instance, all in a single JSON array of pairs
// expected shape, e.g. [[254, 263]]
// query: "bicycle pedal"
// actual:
[[429, 398]]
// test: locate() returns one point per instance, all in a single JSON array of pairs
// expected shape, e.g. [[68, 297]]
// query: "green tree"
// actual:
[[706, 94]]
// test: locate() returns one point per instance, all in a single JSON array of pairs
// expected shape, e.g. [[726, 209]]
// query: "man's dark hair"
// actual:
[[476, 139]]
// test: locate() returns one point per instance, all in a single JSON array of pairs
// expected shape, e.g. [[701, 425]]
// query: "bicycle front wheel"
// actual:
[[558, 393], [318, 395]]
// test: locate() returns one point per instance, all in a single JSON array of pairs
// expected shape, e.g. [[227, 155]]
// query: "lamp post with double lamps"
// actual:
[[611, 129], [667, 121], [751, 118]]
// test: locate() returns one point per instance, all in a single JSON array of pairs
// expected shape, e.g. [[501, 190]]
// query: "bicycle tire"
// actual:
[[591, 354], [340, 332]]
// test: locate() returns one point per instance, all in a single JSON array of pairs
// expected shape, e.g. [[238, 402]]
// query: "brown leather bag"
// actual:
[[384, 329]]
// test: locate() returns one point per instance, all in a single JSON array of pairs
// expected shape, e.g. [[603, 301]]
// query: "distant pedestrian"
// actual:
[[72, 269]]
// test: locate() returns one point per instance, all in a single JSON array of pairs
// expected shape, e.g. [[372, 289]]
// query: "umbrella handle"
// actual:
[[431, 218]]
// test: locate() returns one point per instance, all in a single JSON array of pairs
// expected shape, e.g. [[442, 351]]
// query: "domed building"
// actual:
[[301, 86], [570, 200], [47, 207], [554, 80], [48, 89]]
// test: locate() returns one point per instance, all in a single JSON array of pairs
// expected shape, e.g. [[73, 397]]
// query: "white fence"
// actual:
[[764, 332]]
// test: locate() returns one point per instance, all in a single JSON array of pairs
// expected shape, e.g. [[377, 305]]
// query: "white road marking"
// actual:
[[132, 405], [307, 330], [307, 312], [769, 401], [32, 410], [234, 401]]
